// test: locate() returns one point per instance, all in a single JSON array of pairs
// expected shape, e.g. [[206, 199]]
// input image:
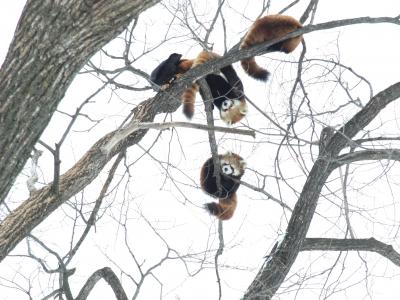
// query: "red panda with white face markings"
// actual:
[[232, 167], [266, 29], [226, 89]]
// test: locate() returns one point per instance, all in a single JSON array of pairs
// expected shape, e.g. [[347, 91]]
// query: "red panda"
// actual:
[[230, 101], [232, 166], [226, 90], [183, 67], [189, 95], [266, 29], [188, 98]]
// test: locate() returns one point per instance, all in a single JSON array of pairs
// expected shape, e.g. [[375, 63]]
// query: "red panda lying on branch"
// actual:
[[266, 29], [226, 89]]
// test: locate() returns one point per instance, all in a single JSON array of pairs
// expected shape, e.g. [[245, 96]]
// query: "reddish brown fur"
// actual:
[[224, 209], [234, 159], [265, 29], [188, 108], [189, 95], [236, 113], [188, 99], [184, 65]]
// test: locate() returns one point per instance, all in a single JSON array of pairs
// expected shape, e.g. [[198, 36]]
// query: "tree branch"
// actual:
[[361, 119], [43, 202], [108, 275], [124, 132], [219, 252], [92, 219], [208, 102], [390, 154], [273, 272], [371, 244], [234, 55], [51, 43]]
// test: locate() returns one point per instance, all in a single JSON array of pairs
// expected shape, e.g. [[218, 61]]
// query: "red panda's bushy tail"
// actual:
[[253, 37], [265, 29], [251, 67], [188, 100], [189, 95], [223, 210]]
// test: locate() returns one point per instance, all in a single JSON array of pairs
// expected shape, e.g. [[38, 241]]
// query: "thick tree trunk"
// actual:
[[52, 42]]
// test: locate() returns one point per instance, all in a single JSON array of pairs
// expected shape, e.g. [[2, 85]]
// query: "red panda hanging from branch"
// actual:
[[226, 89], [225, 86], [231, 170], [266, 29]]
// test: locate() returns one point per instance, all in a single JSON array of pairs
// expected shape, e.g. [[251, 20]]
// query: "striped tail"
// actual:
[[223, 210], [188, 99], [189, 95], [251, 67]]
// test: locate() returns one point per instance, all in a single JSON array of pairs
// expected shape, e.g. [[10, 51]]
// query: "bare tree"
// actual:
[[313, 148]]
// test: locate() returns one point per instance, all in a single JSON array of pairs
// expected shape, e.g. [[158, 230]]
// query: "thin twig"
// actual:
[[344, 180], [211, 134], [161, 126], [135, 126], [217, 254], [99, 201], [371, 244]]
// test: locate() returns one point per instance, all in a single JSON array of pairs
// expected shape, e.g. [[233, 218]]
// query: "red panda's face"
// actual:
[[232, 165], [233, 110]]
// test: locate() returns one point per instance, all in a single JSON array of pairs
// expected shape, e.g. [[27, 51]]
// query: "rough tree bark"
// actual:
[[108, 275], [371, 245], [52, 42]]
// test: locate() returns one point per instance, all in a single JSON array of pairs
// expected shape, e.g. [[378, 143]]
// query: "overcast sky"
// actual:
[[163, 188]]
